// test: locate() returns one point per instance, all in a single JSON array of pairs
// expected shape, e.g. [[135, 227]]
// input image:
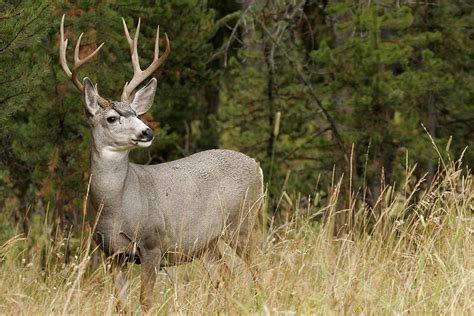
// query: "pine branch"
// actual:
[[22, 28]]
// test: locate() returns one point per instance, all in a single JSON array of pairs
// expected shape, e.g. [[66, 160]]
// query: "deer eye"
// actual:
[[112, 119]]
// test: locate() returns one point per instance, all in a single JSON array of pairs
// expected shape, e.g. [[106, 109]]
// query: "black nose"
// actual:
[[148, 134]]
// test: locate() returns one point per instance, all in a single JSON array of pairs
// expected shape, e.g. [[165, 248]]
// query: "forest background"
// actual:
[[316, 91]]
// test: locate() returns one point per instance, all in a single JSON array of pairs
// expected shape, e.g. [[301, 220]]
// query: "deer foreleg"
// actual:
[[119, 272], [150, 261]]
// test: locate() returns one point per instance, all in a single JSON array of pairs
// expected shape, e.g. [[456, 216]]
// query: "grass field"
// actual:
[[417, 258]]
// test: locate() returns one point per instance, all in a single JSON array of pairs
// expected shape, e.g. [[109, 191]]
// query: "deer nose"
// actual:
[[148, 134]]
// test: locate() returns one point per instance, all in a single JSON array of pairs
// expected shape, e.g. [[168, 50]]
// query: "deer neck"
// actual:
[[109, 169]]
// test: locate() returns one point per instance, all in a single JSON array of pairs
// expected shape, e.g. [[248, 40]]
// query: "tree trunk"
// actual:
[[343, 168], [211, 134]]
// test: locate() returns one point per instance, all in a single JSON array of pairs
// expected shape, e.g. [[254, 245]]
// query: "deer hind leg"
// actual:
[[119, 272], [240, 237], [150, 260], [215, 266]]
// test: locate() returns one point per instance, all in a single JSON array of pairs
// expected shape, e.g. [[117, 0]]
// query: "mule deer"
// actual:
[[165, 214]]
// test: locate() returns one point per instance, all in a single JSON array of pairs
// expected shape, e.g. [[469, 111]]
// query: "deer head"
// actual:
[[115, 124]]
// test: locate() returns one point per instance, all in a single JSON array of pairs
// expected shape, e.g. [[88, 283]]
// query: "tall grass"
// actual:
[[417, 258]]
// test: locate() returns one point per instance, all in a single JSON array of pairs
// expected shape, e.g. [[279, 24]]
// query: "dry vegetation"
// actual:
[[417, 258]]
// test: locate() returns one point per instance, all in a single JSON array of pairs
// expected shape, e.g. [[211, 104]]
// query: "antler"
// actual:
[[138, 74], [78, 63]]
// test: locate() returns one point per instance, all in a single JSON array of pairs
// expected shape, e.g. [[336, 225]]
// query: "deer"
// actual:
[[165, 214]]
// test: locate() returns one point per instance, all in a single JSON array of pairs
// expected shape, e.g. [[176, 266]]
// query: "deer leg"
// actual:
[[241, 238], [214, 264], [242, 247], [119, 272], [150, 261]]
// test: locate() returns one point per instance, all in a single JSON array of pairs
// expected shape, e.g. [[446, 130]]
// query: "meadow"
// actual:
[[417, 258]]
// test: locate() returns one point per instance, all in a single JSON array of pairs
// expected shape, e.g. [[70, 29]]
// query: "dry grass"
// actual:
[[418, 258]]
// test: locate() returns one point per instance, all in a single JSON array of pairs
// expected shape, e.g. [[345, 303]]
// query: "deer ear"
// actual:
[[90, 98], [143, 99]]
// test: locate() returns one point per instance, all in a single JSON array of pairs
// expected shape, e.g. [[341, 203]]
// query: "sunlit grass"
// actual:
[[418, 258]]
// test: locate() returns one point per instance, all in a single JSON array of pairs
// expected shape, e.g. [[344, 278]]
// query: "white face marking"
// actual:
[[144, 144], [139, 125], [110, 153]]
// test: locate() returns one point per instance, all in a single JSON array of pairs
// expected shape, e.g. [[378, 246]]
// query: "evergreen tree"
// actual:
[[23, 67], [265, 112], [445, 69]]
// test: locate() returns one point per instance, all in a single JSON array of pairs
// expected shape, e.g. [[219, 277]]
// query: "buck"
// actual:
[[166, 214]]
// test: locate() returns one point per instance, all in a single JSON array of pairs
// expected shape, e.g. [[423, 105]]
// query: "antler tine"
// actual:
[[157, 43], [78, 62], [133, 45], [138, 74], [62, 50], [136, 62]]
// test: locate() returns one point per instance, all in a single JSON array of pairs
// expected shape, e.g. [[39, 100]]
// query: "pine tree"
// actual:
[[23, 66], [445, 68], [375, 67]]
